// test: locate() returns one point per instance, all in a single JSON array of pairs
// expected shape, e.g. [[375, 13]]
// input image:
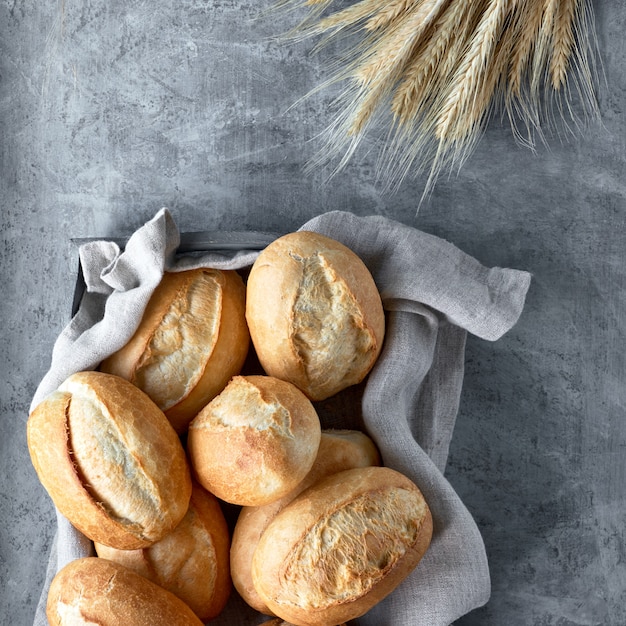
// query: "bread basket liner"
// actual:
[[433, 294]]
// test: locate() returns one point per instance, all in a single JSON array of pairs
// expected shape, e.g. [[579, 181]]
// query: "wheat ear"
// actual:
[[395, 48], [451, 123], [351, 15], [490, 86], [528, 24], [543, 44], [418, 94], [439, 68], [389, 13], [380, 74], [452, 150], [563, 41], [428, 67]]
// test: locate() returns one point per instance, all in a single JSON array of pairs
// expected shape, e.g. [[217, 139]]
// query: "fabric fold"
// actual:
[[433, 294], [414, 266]]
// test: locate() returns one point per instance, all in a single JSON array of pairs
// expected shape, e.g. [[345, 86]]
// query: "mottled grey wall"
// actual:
[[110, 110]]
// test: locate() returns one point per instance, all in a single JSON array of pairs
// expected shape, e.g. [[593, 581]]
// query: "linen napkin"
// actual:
[[433, 294]]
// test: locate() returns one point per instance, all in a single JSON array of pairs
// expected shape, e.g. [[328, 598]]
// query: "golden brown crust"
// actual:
[[47, 433], [375, 515], [192, 561], [314, 313], [110, 460], [95, 591], [339, 450], [212, 518], [254, 442], [192, 339]]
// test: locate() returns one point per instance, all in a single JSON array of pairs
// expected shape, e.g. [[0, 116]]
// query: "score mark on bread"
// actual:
[[374, 529], [328, 327], [314, 312], [110, 460], [191, 340], [182, 342], [341, 546], [255, 441]]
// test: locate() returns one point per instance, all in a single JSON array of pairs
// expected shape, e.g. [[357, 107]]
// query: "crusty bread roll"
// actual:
[[192, 561], [341, 546], [314, 313], [339, 450], [192, 339], [255, 441], [93, 591], [110, 460]]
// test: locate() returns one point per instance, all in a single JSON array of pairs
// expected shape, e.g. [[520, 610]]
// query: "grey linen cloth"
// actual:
[[433, 294]]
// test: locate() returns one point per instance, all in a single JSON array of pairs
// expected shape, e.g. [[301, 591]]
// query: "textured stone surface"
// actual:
[[109, 111]]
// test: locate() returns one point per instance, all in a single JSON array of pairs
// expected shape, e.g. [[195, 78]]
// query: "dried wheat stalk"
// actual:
[[437, 69]]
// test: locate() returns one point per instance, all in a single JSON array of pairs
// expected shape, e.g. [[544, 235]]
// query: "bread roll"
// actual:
[[92, 591], [341, 546], [191, 340], [110, 460], [192, 561], [255, 441], [339, 450], [314, 312]]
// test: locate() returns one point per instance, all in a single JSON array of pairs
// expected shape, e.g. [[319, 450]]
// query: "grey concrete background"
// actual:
[[111, 110]]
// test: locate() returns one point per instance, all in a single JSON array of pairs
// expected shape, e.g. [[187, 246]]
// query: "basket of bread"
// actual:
[[258, 436]]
